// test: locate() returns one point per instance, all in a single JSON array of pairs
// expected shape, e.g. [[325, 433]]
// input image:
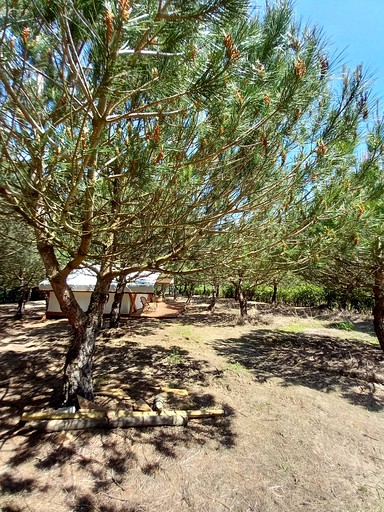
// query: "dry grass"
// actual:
[[303, 430]]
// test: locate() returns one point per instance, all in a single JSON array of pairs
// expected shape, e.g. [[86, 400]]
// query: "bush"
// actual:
[[343, 326], [262, 293], [228, 291], [204, 290], [361, 300], [9, 296], [299, 294], [358, 299]]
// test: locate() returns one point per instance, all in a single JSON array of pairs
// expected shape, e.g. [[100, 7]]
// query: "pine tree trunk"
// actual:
[[24, 296], [214, 298], [189, 293], [241, 299], [85, 326], [378, 309], [79, 358], [79, 363], [114, 318], [345, 297], [274, 295]]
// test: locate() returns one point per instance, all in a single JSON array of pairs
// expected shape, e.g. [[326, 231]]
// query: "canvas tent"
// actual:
[[140, 288]]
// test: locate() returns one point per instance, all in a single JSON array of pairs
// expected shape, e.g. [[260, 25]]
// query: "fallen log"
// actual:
[[84, 423], [54, 415], [204, 413], [53, 422]]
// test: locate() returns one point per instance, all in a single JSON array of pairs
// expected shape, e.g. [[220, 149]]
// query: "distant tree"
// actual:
[[130, 133], [355, 259], [20, 263]]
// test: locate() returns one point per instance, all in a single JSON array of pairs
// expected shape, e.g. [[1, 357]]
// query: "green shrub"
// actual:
[[204, 290], [343, 326], [306, 295], [361, 300], [358, 299], [228, 291], [262, 293], [298, 293]]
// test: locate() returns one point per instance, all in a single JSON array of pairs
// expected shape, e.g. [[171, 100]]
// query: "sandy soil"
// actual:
[[304, 426]]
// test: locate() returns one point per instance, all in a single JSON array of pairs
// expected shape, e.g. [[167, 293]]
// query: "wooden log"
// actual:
[[135, 421], [82, 413], [204, 413], [112, 416], [52, 415]]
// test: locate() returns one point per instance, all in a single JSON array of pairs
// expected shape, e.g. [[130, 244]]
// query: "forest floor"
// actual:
[[303, 430]]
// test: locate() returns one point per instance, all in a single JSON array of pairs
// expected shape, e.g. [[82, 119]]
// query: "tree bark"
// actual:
[[114, 318], [24, 296], [79, 363], [274, 295], [378, 309], [345, 298], [241, 298], [214, 298], [85, 326], [79, 359], [189, 289]]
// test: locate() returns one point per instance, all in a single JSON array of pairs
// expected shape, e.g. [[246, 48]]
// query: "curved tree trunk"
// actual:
[[114, 318], [79, 358], [79, 362], [85, 326], [378, 309], [77, 377]]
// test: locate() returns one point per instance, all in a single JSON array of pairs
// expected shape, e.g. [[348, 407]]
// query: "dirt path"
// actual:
[[304, 428]]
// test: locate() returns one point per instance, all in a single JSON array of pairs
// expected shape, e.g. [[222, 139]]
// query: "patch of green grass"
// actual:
[[300, 327], [182, 331], [283, 467], [187, 332], [342, 326], [235, 367], [175, 357]]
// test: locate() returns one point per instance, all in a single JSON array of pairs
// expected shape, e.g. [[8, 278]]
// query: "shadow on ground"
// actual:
[[319, 362], [32, 380]]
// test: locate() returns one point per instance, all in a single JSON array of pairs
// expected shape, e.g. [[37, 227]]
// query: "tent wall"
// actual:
[[130, 305]]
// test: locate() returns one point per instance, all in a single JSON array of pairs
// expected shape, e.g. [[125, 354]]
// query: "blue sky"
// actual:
[[355, 27]]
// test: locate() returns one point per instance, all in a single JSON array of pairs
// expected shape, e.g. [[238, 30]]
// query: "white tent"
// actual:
[[139, 289]]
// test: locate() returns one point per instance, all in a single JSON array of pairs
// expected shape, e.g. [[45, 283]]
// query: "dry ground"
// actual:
[[304, 427]]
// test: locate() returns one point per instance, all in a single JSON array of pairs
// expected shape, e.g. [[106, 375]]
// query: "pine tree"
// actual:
[[132, 132]]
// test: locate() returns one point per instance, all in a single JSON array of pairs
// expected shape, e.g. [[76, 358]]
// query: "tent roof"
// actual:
[[84, 280]]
